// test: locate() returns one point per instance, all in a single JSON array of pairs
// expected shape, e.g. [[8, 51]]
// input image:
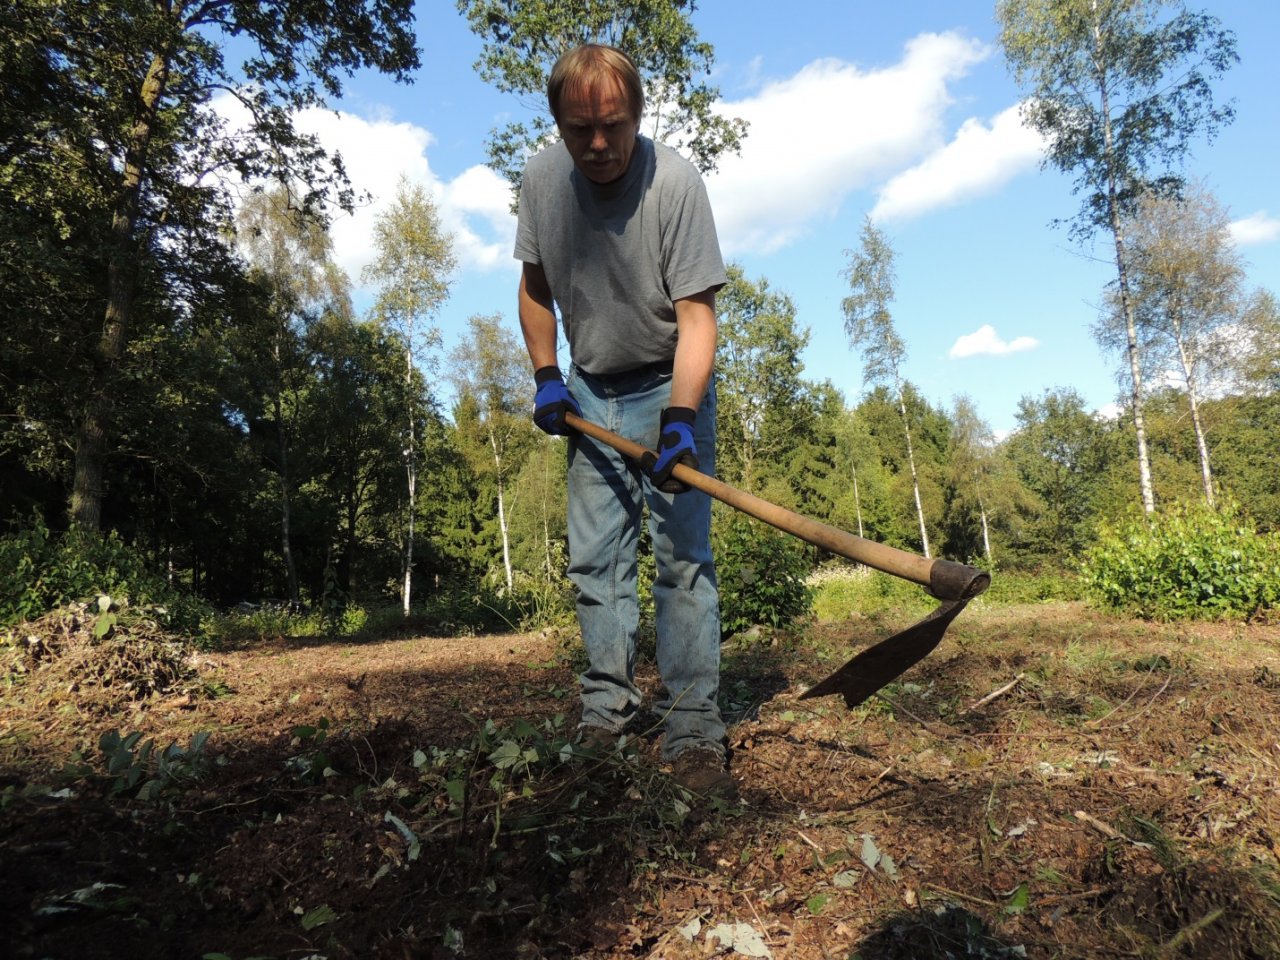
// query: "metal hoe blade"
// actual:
[[876, 666]]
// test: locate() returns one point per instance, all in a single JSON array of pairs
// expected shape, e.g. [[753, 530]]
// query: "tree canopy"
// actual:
[[522, 41]]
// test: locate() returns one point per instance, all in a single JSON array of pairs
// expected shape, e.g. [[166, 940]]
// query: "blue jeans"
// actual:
[[606, 496]]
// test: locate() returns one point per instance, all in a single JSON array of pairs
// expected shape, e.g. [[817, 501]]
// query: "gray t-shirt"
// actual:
[[616, 255]]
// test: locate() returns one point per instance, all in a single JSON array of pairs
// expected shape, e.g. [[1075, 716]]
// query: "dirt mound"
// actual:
[[86, 663]]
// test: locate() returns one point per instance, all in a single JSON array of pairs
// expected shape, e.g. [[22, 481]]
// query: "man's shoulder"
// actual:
[[674, 173], [551, 161]]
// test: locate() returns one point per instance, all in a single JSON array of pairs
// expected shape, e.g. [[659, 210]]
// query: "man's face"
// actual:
[[599, 130]]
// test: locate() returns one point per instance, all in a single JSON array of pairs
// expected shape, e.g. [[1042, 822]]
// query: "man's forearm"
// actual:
[[537, 318], [695, 349]]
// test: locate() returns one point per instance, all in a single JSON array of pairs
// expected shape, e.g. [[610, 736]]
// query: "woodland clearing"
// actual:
[[1051, 782]]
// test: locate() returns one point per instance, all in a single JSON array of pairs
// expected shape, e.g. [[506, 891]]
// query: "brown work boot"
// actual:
[[597, 740], [701, 771]]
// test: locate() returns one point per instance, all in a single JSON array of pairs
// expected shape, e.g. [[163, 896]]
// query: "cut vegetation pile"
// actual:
[[1050, 783]]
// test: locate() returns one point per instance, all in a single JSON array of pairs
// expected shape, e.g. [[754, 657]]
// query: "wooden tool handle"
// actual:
[[945, 579]]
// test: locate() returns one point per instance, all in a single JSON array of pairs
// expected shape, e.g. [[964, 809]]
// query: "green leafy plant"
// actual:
[[762, 574], [1191, 562], [312, 762], [137, 769], [41, 571]]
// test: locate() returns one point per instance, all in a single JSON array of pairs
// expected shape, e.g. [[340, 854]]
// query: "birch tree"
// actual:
[[290, 255], [1260, 371], [869, 326], [1119, 88], [412, 268], [971, 465], [1188, 300], [489, 369]]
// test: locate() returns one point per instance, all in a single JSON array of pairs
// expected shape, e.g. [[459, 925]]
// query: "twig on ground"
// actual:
[[993, 695], [1153, 699], [961, 896], [1172, 948], [809, 842], [755, 913], [944, 733], [1108, 831]]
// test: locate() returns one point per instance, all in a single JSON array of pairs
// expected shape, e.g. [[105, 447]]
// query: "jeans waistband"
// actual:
[[659, 368]]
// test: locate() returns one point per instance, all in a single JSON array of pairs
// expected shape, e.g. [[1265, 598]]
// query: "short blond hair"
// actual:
[[585, 66]]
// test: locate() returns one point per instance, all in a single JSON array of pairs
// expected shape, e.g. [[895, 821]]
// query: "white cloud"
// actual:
[[1254, 229], [986, 342], [476, 206], [978, 160], [376, 151], [830, 129], [473, 206]]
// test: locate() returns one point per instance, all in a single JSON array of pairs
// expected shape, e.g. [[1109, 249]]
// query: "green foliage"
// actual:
[[841, 592], [1027, 586], [762, 573], [1061, 455], [765, 411], [41, 571], [1190, 562], [522, 41], [311, 764], [138, 770], [886, 487]]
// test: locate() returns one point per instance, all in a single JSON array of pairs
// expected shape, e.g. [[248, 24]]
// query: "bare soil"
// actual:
[[1118, 796]]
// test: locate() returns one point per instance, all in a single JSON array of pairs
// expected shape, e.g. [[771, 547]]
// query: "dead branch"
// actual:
[[993, 695]]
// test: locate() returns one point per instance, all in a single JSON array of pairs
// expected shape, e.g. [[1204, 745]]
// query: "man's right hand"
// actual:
[[552, 401]]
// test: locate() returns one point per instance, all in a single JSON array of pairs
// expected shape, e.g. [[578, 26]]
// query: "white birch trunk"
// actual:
[[1193, 399], [1126, 302], [857, 501], [411, 469], [915, 481]]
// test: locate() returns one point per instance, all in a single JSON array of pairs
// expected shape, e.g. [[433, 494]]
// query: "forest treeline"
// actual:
[[181, 363], [218, 403]]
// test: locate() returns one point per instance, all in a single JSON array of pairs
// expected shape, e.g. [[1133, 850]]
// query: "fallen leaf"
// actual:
[[742, 938]]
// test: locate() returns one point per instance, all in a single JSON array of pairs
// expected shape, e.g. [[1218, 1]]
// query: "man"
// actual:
[[616, 231]]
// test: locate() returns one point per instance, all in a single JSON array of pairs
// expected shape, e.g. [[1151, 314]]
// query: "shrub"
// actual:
[[842, 591], [1192, 562], [41, 571], [1032, 586], [762, 574]]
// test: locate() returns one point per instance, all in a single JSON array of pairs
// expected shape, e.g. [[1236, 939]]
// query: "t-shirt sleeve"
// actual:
[[526, 249], [692, 261]]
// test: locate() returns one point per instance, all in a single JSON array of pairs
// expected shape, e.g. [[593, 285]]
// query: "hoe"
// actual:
[[955, 584]]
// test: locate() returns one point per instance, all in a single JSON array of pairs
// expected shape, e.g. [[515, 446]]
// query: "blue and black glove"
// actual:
[[552, 401], [675, 446]]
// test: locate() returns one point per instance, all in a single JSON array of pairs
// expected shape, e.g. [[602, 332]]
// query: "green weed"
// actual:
[[138, 770]]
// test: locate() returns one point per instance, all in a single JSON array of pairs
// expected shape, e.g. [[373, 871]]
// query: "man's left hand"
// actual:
[[675, 446]]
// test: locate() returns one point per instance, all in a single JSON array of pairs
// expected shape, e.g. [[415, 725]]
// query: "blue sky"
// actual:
[[903, 111]]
